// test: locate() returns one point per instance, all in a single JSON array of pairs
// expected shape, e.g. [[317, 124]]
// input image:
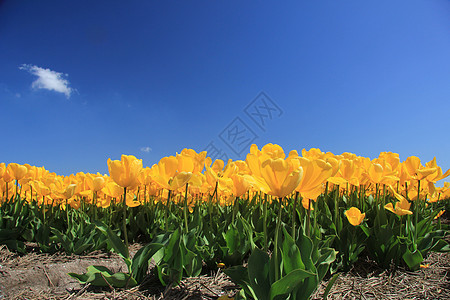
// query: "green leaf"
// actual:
[[328, 255], [249, 231], [330, 285], [239, 275], [82, 278], [291, 256], [117, 244], [102, 276], [172, 247], [413, 259], [305, 246], [232, 238], [441, 246], [258, 273], [139, 265], [121, 280], [288, 283]]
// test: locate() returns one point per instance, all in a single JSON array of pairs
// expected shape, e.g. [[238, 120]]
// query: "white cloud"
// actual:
[[48, 80], [146, 149]]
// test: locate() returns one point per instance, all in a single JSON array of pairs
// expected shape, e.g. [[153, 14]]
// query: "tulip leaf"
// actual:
[[288, 283], [232, 238], [258, 273], [413, 259], [140, 260], [330, 285], [441, 246], [116, 243], [305, 245], [102, 276], [292, 259], [328, 255], [239, 275]]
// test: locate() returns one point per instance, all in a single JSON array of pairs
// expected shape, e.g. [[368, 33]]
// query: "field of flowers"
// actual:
[[276, 224]]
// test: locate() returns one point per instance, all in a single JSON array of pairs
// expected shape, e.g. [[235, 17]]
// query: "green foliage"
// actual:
[[301, 267]]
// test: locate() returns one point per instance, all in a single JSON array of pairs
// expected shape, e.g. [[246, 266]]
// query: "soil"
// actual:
[[44, 276]]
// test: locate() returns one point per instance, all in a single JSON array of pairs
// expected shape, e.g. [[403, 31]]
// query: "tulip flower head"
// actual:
[[354, 216], [125, 172]]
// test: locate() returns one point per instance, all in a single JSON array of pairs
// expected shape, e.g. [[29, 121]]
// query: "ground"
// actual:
[[44, 276]]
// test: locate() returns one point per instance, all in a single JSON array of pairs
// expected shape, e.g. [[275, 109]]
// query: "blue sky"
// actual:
[[84, 81]]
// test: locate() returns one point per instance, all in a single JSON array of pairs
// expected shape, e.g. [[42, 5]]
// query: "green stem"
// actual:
[[94, 200], [265, 224], [235, 209], [308, 218], [336, 208], [124, 210], [67, 215], [185, 209], [43, 208], [377, 196], [277, 232], [315, 217], [166, 212], [294, 214], [145, 194], [416, 219], [110, 213]]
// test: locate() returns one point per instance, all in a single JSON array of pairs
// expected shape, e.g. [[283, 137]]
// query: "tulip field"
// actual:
[[276, 224]]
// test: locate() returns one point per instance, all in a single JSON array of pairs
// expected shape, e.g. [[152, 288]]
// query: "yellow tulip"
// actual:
[[240, 185], [17, 171], [440, 213], [69, 191], [380, 172], [401, 207], [273, 150], [349, 172], [280, 177], [130, 201], [216, 177], [98, 183], [191, 161], [313, 153], [167, 175], [8, 175], [315, 173], [125, 172], [113, 190], [180, 180], [437, 175], [2, 169], [415, 170], [392, 159], [40, 188], [354, 216]]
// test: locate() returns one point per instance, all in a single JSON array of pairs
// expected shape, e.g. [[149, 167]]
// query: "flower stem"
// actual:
[[124, 209], [265, 223], [416, 219], [235, 209], [294, 214], [185, 209], [277, 232], [166, 212], [308, 218]]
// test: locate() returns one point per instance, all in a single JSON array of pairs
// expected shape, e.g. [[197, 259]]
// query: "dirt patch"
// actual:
[[44, 276], [367, 281]]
